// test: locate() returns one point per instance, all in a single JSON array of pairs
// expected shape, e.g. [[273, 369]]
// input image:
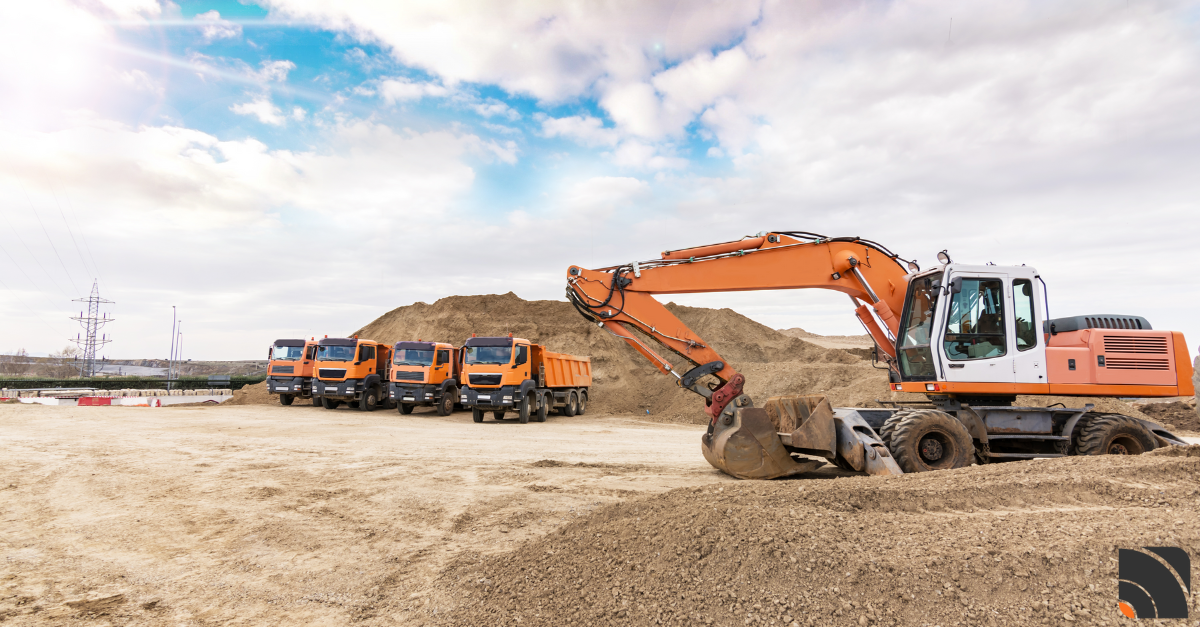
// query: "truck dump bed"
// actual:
[[556, 370]]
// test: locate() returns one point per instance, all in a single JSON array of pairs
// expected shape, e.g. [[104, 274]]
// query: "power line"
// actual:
[[70, 232], [35, 259], [52, 246], [83, 236], [22, 271], [26, 305]]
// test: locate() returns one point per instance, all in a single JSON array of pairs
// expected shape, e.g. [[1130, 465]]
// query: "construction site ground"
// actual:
[[269, 515]]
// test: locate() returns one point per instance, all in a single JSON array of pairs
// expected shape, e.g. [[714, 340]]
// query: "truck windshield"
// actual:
[[916, 358], [286, 353], [410, 357], [489, 354], [335, 353]]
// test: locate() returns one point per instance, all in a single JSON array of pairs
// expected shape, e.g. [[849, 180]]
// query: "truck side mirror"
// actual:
[[956, 285]]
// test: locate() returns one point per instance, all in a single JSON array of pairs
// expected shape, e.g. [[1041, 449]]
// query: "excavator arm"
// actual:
[[621, 300]]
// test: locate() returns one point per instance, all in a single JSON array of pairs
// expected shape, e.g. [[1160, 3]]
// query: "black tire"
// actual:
[[523, 410], [445, 407], [405, 408], [1113, 434], [369, 400], [544, 406], [885, 432], [498, 415], [286, 399], [572, 404], [927, 439], [476, 414], [316, 400], [329, 403], [579, 411]]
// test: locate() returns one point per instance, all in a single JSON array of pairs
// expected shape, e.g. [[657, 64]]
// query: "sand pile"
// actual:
[[256, 394], [624, 382], [1003, 544]]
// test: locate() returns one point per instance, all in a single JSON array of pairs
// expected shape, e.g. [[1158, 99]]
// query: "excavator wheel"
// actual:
[[445, 407], [572, 407], [498, 415], [582, 403], [477, 415], [286, 399], [885, 432], [406, 408], [523, 410], [1113, 434], [927, 439], [544, 407], [369, 400]]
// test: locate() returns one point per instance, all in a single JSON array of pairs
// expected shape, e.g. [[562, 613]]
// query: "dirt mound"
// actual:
[[1181, 415], [256, 394], [1019, 543], [623, 381]]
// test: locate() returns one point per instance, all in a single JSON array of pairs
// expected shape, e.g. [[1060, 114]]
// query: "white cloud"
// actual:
[[274, 71], [587, 130], [214, 28], [261, 108], [401, 89], [138, 80], [492, 108]]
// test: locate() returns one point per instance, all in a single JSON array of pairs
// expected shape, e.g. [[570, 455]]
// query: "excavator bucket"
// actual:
[[757, 443]]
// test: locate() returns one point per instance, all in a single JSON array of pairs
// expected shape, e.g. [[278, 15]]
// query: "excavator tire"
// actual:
[[885, 432], [582, 403], [1113, 434], [523, 410], [477, 415], [286, 399], [927, 439], [445, 407], [406, 408]]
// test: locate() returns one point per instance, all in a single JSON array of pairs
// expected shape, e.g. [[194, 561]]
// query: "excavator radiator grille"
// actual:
[[1127, 344], [409, 376], [1133, 363]]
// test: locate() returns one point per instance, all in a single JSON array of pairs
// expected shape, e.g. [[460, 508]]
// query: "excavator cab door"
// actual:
[[976, 328]]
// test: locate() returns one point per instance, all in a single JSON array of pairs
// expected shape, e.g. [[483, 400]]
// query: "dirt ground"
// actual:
[[269, 515]]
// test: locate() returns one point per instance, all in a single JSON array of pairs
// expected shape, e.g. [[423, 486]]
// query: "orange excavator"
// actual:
[[969, 337]]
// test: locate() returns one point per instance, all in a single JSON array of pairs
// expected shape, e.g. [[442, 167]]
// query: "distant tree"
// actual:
[[63, 364], [16, 363]]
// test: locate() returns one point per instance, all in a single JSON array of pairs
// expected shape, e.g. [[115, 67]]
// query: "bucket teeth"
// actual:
[[748, 447]]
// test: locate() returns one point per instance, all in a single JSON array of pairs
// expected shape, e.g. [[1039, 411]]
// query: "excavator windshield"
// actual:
[[916, 358]]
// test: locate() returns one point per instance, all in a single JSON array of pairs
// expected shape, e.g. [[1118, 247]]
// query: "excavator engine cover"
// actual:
[[744, 444]]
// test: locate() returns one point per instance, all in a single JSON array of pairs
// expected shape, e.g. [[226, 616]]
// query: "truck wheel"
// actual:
[[286, 399], [405, 408], [476, 414], [316, 401], [572, 404], [445, 407], [523, 411], [329, 403], [369, 401], [928, 439], [579, 411], [544, 406], [498, 415], [1113, 434]]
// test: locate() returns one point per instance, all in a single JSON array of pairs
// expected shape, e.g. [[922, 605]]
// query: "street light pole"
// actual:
[[171, 357]]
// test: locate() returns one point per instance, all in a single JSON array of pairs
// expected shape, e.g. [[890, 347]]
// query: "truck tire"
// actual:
[[579, 411], [316, 400], [330, 403], [406, 408], [1113, 434], [544, 406], [927, 439], [523, 410], [498, 415], [286, 399], [445, 407], [572, 404], [476, 414], [369, 400]]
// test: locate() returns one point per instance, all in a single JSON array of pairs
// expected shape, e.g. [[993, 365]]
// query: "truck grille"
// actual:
[[409, 376], [484, 379], [1132, 363], [331, 373], [283, 369], [1128, 344]]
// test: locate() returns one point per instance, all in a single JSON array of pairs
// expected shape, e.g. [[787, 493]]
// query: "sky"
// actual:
[[291, 168]]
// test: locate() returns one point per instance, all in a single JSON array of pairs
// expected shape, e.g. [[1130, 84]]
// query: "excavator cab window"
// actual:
[[1024, 308], [916, 358], [975, 321]]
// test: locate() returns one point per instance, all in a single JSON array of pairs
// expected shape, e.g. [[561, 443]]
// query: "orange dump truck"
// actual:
[[352, 371], [290, 369], [500, 374], [424, 373]]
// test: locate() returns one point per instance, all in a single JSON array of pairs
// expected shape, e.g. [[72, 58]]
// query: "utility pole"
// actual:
[[171, 357], [91, 324]]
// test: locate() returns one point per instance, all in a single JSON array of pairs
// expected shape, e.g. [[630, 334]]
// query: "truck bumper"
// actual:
[[299, 386], [348, 390], [415, 393], [491, 399]]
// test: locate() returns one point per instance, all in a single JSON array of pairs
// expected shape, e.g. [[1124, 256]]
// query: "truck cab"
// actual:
[[511, 373], [352, 371], [290, 369], [424, 373]]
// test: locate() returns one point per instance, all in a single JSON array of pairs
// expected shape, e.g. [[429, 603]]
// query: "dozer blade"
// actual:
[[744, 444]]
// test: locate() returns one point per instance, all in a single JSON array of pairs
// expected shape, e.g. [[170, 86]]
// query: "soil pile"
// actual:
[[624, 382], [1180, 414], [1003, 544], [256, 394]]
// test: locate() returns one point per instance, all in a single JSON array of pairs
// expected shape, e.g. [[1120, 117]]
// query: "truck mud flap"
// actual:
[[744, 444]]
